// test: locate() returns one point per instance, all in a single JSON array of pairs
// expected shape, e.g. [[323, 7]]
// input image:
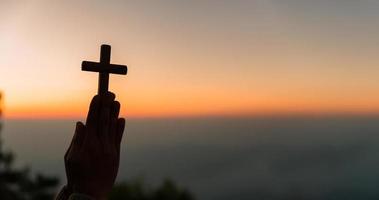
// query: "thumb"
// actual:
[[120, 132], [79, 135], [77, 139]]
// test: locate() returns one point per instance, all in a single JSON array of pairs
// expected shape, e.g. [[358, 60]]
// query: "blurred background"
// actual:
[[260, 99]]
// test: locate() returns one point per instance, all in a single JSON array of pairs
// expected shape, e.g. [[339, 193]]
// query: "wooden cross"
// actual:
[[104, 68]]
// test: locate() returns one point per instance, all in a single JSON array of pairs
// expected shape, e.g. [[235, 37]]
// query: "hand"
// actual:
[[93, 157]]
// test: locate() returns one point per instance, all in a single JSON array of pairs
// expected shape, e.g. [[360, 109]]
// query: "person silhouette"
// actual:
[[92, 159]]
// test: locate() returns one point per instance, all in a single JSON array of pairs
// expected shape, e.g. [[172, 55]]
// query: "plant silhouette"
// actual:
[[136, 190], [19, 184]]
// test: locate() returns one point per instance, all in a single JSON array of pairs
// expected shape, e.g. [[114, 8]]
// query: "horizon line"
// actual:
[[198, 116]]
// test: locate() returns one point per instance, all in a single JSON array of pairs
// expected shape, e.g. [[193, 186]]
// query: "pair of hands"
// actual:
[[92, 160]]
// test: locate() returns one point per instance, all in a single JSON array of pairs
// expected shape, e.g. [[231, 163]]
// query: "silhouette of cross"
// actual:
[[104, 68]]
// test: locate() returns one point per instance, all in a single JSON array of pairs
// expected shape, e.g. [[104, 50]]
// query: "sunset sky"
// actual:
[[192, 58]]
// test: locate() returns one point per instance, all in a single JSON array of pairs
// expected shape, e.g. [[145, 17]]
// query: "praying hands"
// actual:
[[92, 160]]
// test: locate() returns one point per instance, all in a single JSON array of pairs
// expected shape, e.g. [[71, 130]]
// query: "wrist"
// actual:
[[77, 196], [94, 194], [65, 193]]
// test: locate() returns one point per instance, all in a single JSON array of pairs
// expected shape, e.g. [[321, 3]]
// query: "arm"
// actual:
[[92, 159]]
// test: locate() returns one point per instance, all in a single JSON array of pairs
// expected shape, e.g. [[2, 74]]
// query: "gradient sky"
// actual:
[[190, 58]]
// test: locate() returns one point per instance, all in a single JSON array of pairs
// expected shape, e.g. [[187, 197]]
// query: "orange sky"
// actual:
[[192, 59]]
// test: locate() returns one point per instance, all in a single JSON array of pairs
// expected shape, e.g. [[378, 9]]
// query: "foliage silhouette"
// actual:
[[135, 190], [19, 184]]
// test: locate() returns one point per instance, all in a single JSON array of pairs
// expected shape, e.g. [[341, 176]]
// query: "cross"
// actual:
[[104, 68]]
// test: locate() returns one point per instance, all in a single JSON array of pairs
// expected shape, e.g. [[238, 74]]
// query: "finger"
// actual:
[[115, 110], [93, 113], [71, 143], [109, 96], [77, 139], [105, 114], [120, 132], [79, 135], [67, 152]]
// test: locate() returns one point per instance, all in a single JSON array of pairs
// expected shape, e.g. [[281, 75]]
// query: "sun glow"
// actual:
[[255, 58]]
